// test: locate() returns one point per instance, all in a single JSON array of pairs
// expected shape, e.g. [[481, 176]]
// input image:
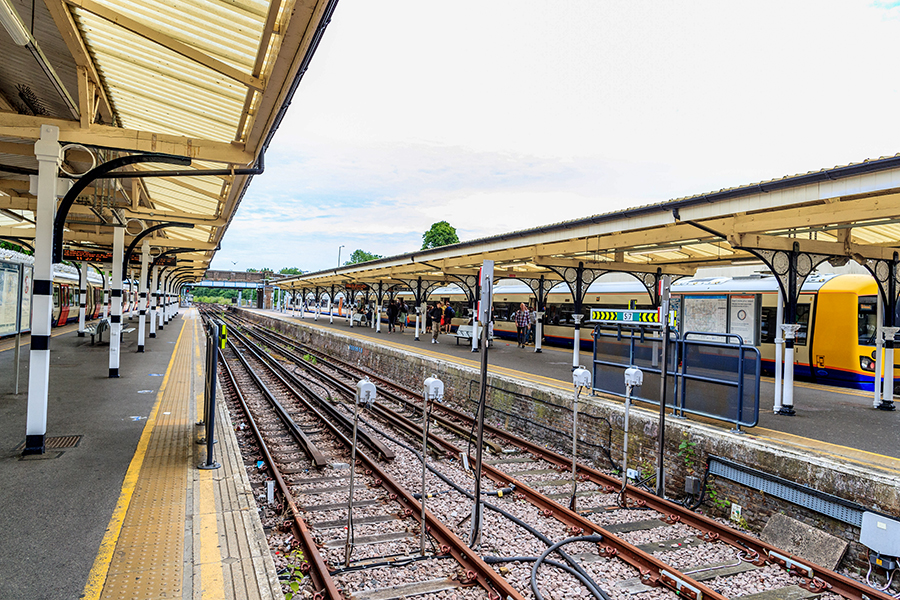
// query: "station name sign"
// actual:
[[93, 256], [357, 287]]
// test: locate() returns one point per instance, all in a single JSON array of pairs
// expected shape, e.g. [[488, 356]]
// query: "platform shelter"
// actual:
[[790, 225], [130, 130]]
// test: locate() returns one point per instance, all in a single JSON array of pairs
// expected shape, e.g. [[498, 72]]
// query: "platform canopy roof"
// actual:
[[203, 79], [841, 213]]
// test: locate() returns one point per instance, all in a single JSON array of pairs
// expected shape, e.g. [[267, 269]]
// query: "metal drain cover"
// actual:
[[58, 442]]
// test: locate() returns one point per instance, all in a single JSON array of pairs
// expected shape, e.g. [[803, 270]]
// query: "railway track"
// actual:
[[649, 546]]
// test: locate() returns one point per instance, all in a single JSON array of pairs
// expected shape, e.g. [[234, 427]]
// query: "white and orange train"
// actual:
[[836, 313]]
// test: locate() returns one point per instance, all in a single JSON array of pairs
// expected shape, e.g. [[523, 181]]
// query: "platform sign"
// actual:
[[707, 314], [742, 318]]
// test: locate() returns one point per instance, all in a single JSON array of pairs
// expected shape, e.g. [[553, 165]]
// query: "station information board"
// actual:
[[92, 256]]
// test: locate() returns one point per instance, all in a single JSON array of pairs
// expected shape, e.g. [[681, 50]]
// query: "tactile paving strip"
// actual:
[[149, 558]]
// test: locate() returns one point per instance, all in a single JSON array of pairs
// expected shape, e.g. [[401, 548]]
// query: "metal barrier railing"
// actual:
[[713, 379], [216, 336]]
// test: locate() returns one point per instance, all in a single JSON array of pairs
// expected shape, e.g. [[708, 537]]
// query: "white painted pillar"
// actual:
[[887, 394], [779, 348], [350, 313], [576, 347], [128, 286], [418, 313], [378, 317], [790, 330], [318, 308], [107, 275], [142, 294], [154, 299], [331, 310], [879, 342], [161, 301], [82, 297], [47, 152], [538, 332], [115, 321]]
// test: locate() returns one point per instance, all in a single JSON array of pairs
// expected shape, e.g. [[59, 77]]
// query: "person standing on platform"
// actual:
[[523, 321], [428, 310], [437, 313], [392, 316], [404, 314], [449, 313]]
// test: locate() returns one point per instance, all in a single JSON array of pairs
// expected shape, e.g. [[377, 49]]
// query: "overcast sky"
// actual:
[[501, 115]]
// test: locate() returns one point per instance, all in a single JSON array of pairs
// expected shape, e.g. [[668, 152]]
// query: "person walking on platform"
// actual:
[[392, 312], [437, 313], [523, 322], [428, 310]]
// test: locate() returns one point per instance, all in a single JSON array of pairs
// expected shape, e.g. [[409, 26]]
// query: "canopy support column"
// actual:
[[47, 152], [115, 320], [142, 294], [154, 303]]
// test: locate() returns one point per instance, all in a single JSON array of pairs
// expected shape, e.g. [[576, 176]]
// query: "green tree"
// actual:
[[440, 234], [14, 247], [290, 271], [361, 256]]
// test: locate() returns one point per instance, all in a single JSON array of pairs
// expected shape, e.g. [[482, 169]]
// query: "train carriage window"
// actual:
[[55, 296], [867, 321], [768, 321]]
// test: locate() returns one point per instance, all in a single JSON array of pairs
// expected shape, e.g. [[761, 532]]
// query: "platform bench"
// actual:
[[97, 330], [464, 332], [360, 319], [124, 331]]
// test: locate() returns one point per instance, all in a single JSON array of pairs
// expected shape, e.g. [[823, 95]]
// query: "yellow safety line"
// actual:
[[212, 581], [556, 383], [100, 569], [60, 331], [774, 435]]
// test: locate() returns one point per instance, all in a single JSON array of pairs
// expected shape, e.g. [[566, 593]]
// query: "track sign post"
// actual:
[[665, 283], [486, 283]]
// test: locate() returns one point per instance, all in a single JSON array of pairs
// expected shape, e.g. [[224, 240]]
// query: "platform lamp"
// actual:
[[364, 397], [433, 392]]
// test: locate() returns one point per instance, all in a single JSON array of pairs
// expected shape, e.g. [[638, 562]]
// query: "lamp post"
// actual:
[[339, 254], [581, 378], [434, 391], [365, 397]]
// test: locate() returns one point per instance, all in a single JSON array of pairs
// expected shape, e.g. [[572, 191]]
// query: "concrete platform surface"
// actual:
[[832, 421], [125, 513]]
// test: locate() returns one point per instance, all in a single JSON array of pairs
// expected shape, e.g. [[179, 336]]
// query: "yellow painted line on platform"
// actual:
[[10, 344], [844, 453], [212, 582], [100, 569]]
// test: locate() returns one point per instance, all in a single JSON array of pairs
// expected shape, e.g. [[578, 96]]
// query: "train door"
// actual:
[[63, 305], [98, 301], [802, 343], [56, 303]]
